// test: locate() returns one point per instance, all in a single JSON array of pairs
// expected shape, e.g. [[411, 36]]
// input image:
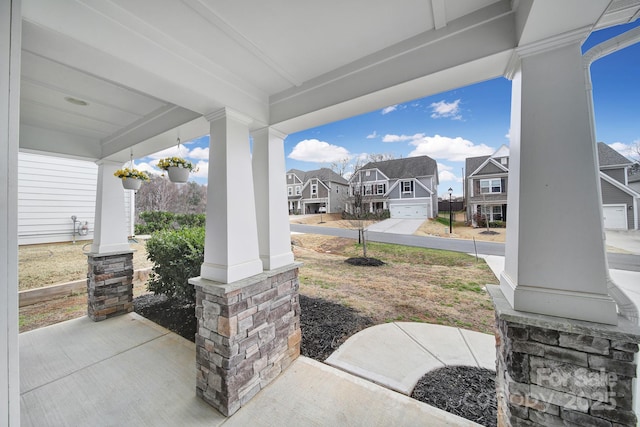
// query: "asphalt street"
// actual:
[[616, 261]]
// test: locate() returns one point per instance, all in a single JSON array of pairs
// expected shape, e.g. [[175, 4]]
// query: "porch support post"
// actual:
[[274, 234], [10, 44], [231, 242], [110, 272], [110, 229], [555, 258]]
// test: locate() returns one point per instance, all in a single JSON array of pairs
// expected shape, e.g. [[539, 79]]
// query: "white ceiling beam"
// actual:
[[439, 14], [485, 33]]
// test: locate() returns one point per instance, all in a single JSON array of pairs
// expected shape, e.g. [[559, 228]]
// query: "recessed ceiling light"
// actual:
[[76, 101]]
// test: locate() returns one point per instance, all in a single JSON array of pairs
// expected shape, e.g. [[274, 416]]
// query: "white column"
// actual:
[[269, 180], [10, 43], [110, 231], [231, 243], [555, 258]]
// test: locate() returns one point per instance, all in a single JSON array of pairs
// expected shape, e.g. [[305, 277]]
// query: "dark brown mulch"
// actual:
[[466, 391], [171, 314], [364, 262], [490, 232], [325, 325]]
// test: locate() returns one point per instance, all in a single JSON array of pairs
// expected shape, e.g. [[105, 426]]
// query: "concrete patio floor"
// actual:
[[129, 371]]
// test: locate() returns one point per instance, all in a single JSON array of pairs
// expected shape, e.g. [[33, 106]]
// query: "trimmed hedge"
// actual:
[[153, 221], [177, 256]]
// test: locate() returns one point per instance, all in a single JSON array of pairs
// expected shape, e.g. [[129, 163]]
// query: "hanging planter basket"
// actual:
[[178, 174], [131, 183], [131, 178]]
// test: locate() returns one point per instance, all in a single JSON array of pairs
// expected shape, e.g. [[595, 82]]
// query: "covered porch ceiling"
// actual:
[[148, 70]]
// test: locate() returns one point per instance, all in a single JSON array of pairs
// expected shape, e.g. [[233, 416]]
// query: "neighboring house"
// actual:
[[485, 186], [51, 190], [620, 202], [634, 182], [405, 187], [317, 191]]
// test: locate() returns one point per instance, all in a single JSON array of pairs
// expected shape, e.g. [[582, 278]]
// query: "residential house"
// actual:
[[405, 187], [486, 185], [634, 182], [53, 189], [317, 191], [620, 202]]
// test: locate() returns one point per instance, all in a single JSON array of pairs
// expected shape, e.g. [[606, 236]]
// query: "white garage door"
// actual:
[[408, 211], [615, 217]]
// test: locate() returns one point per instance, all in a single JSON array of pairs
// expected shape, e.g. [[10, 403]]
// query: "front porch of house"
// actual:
[[128, 371], [100, 80]]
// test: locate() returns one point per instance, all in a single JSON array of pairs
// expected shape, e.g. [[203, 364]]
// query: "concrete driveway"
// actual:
[[397, 226], [628, 241]]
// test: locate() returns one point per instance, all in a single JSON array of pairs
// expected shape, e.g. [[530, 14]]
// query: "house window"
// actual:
[[503, 161], [367, 190], [380, 189], [314, 189], [367, 173], [297, 190], [290, 176], [407, 186], [290, 191], [490, 186], [493, 212]]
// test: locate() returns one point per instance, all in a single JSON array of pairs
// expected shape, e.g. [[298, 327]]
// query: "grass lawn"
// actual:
[[415, 284]]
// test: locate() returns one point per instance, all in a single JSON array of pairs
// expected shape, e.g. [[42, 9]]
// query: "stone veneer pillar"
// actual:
[[560, 372], [248, 333], [109, 285]]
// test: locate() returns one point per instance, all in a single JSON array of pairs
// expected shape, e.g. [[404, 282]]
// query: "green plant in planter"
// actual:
[[126, 173], [179, 162]]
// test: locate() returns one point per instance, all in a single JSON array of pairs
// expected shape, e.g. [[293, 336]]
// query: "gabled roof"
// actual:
[[608, 157], [471, 164], [323, 174], [410, 167]]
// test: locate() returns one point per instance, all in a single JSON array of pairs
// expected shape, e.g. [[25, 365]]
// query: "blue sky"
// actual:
[[466, 122]]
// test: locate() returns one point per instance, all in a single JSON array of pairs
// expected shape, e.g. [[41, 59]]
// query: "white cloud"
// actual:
[[202, 170], [401, 138], [627, 150], [445, 175], [389, 109], [313, 150], [442, 109], [200, 153], [372, 135], [169, 152], [147, 167], [443, 167], [452, 149]]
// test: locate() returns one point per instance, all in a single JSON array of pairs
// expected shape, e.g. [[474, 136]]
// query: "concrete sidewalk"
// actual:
[[128, 371], [396, 226], [397, 355], [627, 241]]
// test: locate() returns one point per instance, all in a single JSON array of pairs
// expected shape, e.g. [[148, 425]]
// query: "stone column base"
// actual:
[[109, 285], [556, 371], [248, 333]]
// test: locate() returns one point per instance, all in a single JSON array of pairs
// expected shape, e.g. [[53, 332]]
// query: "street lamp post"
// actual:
[[450, 212]]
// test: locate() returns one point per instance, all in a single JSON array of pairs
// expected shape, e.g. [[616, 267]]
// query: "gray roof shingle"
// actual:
[[324, 174], [607, 156], [473, 163], [410, 167]]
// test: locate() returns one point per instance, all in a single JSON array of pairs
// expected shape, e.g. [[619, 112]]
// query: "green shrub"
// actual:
[[177, 256], [152, 221]]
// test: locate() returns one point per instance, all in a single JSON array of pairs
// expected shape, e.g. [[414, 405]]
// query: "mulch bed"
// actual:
[[461, 390], [364, 262], [466, 391]]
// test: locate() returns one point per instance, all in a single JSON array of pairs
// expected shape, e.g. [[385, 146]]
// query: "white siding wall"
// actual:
[[50, 191]]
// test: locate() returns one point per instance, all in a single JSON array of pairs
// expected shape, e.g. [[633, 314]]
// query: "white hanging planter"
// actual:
[[177, 174], [131, 183]]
